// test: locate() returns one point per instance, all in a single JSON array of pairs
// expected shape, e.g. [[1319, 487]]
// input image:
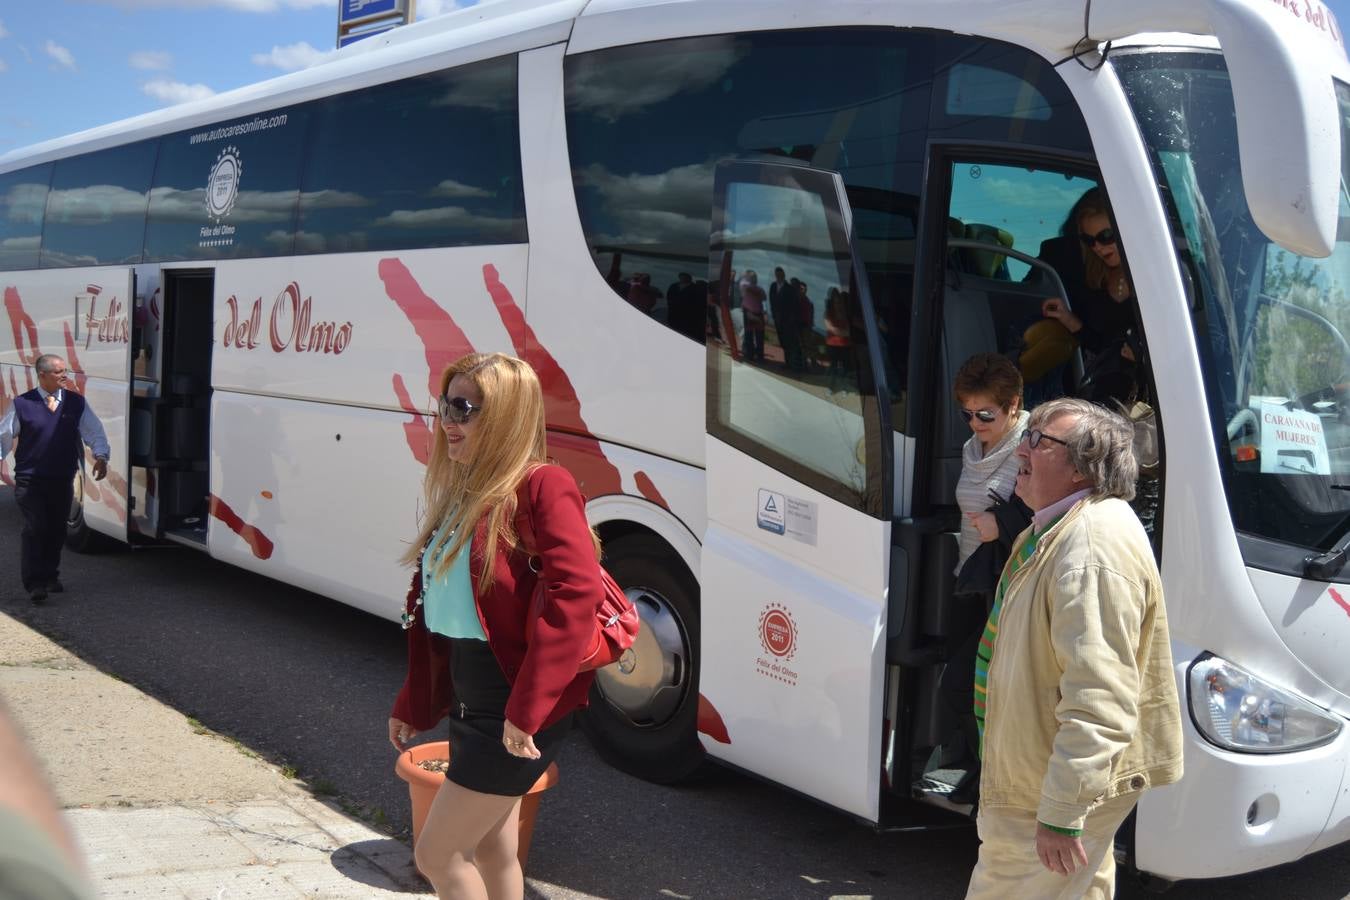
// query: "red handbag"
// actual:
[[616, 621], [616, 618]]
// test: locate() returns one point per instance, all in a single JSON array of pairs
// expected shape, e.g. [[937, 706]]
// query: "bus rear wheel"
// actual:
[[644, 708]]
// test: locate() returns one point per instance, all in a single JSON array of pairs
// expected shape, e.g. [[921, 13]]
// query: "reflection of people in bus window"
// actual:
[[806, 332], [641, 293], [752, 314], [838, 342], [783, 304], [686, 303], [1101, 320]]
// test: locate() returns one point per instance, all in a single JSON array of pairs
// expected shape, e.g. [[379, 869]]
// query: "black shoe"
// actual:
[[55, 586], [38, 596]]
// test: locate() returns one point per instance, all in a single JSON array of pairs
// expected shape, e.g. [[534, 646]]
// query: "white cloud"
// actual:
[[253, 6], [63, 57], [291, 57], [428, 9], [442, 217], [450, 188], [4, 66], [150, 60], [175, 91], [612, 89], [4, 33]]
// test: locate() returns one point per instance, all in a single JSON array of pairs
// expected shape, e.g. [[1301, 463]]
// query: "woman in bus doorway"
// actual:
[[988, 393], [504, 672]]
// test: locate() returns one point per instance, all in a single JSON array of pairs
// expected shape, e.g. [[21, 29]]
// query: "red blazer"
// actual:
[[538, 656]]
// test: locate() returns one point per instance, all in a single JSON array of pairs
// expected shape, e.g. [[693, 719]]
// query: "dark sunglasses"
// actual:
[[984, 415], [1034, 437], [455, 409], [1106, 237]]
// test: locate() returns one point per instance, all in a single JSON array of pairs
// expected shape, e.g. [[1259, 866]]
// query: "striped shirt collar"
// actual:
[[1044, 518]]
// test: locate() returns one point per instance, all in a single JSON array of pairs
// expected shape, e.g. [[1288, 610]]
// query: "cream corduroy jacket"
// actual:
[[1082, 704]]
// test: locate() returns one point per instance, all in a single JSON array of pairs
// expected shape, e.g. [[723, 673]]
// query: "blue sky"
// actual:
[[67, 65]]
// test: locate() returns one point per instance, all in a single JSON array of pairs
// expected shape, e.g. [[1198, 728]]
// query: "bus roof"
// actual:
[[501, 27]]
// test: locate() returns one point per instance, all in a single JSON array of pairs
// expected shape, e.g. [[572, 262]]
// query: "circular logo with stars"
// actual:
[[777, 631], [222, 188]]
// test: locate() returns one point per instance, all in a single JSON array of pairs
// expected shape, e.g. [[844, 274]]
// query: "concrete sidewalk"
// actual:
[[164, 808]]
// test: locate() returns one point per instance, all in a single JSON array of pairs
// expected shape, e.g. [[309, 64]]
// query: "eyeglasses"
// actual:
[[455, 409], [984, 415], [1034, 436], [1106, 237]]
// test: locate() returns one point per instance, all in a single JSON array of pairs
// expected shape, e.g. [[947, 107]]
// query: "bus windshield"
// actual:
[[1272, 326]]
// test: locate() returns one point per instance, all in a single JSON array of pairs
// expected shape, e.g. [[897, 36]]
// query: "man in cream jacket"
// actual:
[[1074, 694]]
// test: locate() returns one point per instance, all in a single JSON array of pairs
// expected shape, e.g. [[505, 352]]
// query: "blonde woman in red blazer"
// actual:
[[504, 674]]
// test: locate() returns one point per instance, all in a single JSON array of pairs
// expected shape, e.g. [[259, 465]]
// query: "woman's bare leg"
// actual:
[[496, 857], [457, 822]]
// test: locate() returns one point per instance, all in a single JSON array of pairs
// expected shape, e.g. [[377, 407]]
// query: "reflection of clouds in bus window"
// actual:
[[444, 217], [672, 204], [172, 204], [617, 86], [20, 244], [492, 86], [26, 203], [94, 204], [54, 259], [456, 190], [329, 199]]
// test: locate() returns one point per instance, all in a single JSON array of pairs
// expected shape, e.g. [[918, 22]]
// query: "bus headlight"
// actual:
[[1237, 711]]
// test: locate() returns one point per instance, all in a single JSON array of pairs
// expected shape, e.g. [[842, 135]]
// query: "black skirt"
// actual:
[[478, 759]]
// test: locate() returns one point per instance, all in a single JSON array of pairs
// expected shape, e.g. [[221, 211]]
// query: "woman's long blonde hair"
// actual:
[[508, 442], [1092, 203]]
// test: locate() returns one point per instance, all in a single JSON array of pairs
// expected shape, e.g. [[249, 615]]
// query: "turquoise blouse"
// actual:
[[449, 606]]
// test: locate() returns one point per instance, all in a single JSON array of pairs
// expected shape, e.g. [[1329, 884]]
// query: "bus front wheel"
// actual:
[[643, 713]]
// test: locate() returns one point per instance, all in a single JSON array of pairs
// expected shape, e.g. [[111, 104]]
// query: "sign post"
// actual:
[[359, 19]]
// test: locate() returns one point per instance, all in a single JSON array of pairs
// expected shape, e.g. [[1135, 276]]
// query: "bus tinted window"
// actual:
[[989, 91], [227, 190], [429, 162], [23, 197], [96, 208], [647, 124]]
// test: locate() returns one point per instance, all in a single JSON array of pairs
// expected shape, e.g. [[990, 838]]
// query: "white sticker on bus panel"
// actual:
[[793, 673], [369, 329], [80, 314]]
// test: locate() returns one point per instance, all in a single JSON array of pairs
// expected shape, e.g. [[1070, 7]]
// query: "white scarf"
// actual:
[[984, 472]]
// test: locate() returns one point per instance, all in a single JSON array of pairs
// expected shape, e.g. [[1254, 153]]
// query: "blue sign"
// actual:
[[346, 39], [353, 11]]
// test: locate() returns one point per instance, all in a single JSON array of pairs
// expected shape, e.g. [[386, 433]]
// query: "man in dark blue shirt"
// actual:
[[52, 426]]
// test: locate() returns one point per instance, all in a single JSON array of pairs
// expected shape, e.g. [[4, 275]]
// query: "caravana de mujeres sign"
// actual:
[[288, 326]]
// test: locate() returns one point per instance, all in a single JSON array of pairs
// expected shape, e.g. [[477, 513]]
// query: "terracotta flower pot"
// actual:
[[423, 785]]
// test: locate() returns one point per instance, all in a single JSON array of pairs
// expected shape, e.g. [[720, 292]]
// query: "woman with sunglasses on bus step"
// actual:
[[506, 674], [988, 391], [1102, 319]]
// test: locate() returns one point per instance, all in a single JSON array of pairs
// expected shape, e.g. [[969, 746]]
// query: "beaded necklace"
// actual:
[[409, 616]]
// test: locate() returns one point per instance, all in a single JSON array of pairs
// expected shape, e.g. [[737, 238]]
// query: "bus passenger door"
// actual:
[[799, 481]]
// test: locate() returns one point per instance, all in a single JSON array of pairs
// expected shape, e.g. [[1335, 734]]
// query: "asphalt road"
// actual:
[[307, 682]]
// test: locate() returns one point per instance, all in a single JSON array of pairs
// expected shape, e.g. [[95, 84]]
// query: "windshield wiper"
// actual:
[[1326, 566]]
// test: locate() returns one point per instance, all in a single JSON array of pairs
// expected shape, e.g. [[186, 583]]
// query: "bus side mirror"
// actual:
[[1288, 119]]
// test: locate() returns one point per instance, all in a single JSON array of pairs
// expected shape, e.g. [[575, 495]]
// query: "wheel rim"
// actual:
[[649, 682], [75, 519]]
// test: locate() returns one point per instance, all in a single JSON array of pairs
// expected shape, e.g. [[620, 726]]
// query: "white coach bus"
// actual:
[[258, 292]]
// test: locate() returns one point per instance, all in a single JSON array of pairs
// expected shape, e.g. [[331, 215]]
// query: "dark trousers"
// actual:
[[45, 505]]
